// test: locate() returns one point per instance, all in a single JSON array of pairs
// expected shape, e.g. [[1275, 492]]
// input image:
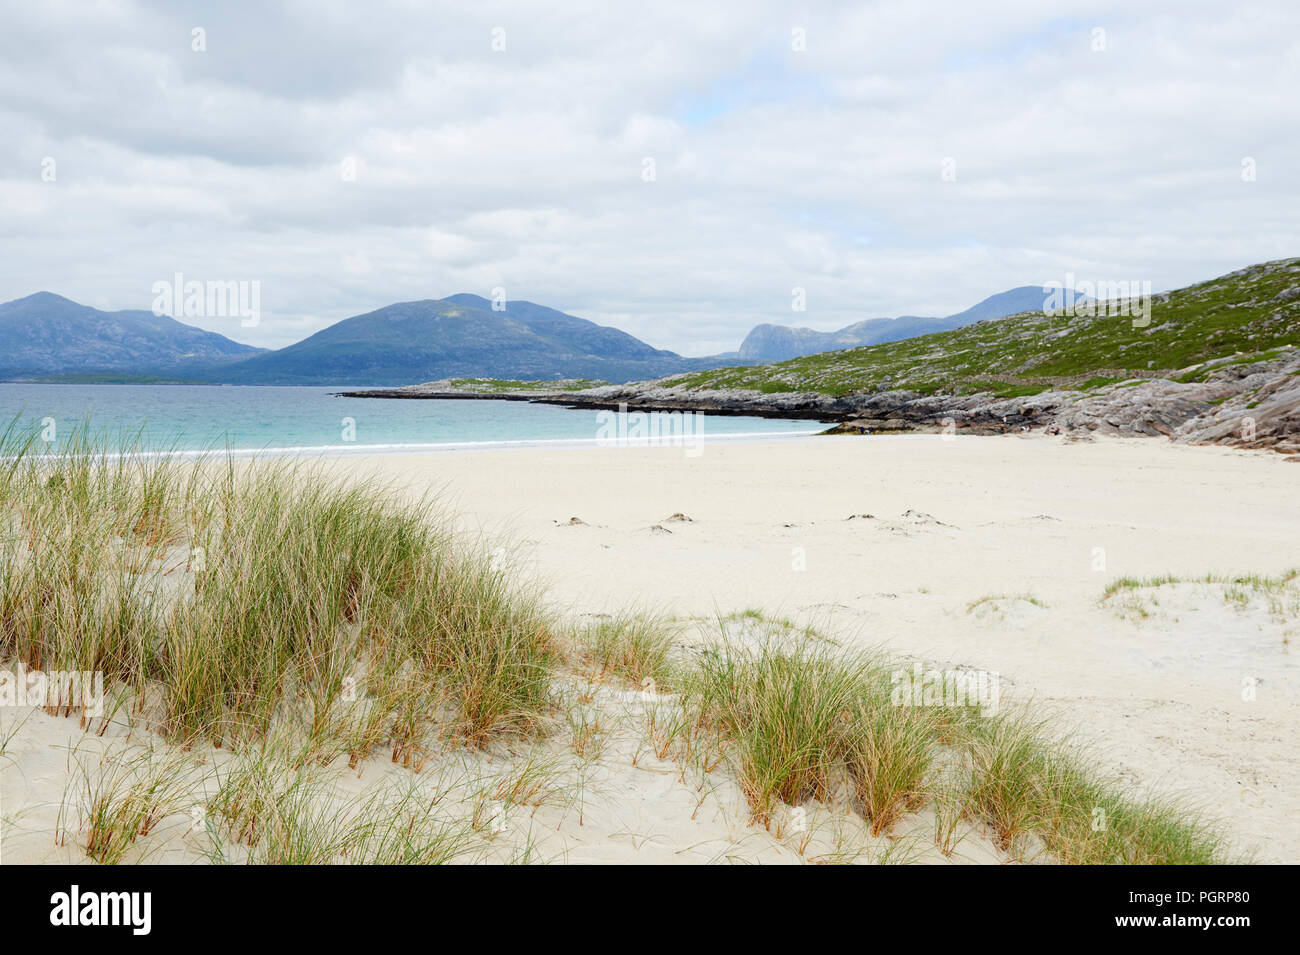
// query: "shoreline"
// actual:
[[691, 447], [577, 402], [328, 451], [1255, 405]]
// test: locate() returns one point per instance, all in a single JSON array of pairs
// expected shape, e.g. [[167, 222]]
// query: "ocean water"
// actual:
[[310, 419]]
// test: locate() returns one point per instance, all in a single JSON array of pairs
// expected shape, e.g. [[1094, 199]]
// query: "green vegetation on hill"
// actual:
[[1246, 316], [497, 386]]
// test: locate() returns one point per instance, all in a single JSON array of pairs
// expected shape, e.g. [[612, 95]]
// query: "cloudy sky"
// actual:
[[889, 158]]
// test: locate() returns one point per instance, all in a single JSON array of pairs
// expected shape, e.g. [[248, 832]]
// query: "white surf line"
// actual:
[[345, 449]]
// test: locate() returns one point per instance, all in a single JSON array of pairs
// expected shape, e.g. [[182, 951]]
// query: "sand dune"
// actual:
[[985, 552], [954, 522]]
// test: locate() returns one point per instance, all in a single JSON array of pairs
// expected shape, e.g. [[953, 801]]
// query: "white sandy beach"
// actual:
[[891, 542], [1011, 516]]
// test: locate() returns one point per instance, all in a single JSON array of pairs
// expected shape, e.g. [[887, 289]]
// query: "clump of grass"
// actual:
[[402, 826], [589, 731], [252, 594], [633, 647], [1024, 784], [952, 808], [796, 720], [287, 816], [487, 642], [783, 713], [1008, 768], [670, 725], [1280, 593], [250, 797], [124, 798], [534, 781], [889, 752], [1137, 583]]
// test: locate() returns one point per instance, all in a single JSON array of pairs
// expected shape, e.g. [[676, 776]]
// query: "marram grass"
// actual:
[[800, 723], [1027, 786], [296, 620], [257, 594], [633, 647]]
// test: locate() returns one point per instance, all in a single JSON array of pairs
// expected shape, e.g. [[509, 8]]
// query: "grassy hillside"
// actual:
[[1247, 315], [496, 386]]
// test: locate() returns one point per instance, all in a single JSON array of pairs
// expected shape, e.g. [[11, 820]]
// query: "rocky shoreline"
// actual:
[[1255, 405]]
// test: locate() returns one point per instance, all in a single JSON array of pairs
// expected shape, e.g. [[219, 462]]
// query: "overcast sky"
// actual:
[[1112, 155]]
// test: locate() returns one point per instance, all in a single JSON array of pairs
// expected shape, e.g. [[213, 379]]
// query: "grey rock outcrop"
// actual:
[[1244, 405]]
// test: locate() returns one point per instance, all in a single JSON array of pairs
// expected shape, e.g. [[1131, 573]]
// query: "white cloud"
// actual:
[[523, 168]]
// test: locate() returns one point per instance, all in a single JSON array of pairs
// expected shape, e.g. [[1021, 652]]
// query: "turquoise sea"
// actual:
[[310, 419]]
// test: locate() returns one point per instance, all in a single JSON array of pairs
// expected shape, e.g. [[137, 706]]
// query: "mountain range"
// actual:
[[48, 335], [768, 343], [1216, 362], [45, 336]]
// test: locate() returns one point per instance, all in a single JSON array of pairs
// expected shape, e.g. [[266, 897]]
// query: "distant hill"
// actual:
[[48, 335], [1246, 316], [460, 336], [767, 343], [1216, 362]]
